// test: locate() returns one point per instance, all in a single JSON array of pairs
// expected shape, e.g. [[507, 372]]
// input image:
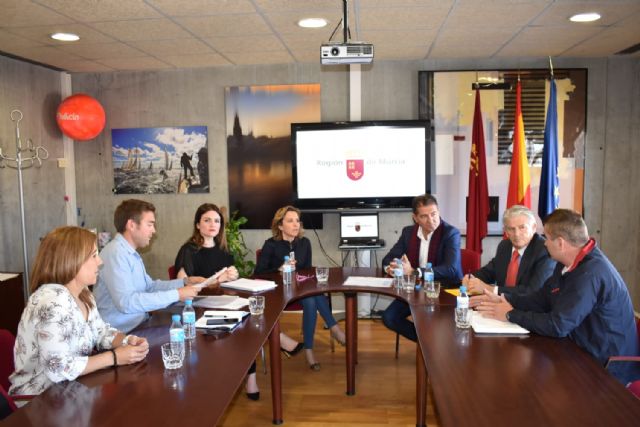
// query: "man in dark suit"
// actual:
[[585, 299], [429, 240], [521, 264]]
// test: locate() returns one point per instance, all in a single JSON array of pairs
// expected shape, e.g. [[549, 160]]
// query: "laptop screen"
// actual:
[[358, 227]]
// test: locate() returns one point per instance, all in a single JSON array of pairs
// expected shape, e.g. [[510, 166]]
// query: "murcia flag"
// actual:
[[355, 169]]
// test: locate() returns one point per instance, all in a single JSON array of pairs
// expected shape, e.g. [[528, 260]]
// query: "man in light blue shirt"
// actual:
[[124, 292]]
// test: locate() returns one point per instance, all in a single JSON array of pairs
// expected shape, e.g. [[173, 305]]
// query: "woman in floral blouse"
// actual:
[[60, 326]]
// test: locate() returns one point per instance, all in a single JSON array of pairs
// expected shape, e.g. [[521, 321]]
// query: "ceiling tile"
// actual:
[[307, 55], [302, 45], [102, 50], [245, 44], [101, 10], [44, 54], [83, 66], [11, 40], [400, 37], [394, 51], [460, 43], [611, 11], [398, 18], [497, 13], [160, 48], [607, 43], [41, 33], [202, 7], [194, 61], [227, 25], [145, 29], [138, 63], [279, 57], [304, 5], [288, 23], [18, 13], [545, 41], [363, 4]]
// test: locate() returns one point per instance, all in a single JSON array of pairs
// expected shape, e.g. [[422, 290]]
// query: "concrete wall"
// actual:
[[36, 92], [389, 91]]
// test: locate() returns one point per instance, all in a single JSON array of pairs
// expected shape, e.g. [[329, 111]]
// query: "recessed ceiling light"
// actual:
[[312, 23], [585, 17], [65, 37]]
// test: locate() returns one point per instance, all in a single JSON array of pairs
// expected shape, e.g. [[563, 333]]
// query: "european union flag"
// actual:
[[549, 197]]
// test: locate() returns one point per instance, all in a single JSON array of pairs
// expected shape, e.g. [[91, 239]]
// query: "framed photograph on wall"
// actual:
[[259, 147], [163, 160]]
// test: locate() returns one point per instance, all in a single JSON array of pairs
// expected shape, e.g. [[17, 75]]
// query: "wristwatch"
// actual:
[[507, 316], [185, 280], [125, 340]]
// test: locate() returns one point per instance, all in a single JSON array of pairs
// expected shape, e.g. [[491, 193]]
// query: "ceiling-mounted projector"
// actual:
[[346, 53]]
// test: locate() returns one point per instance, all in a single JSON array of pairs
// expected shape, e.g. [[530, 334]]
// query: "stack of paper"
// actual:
[[250, 285], [228, 302], [219, 319], [483, 325], [374, 282]]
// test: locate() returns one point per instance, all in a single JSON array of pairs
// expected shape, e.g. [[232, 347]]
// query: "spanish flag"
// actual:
[[519, 178]]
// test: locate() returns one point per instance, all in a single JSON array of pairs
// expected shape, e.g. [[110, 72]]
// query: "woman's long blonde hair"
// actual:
[[60, 256]]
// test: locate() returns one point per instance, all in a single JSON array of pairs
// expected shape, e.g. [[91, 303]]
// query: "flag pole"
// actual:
[[551, 67]]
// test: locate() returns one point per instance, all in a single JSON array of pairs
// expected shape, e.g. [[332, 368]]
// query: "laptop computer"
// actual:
[[359, 229]]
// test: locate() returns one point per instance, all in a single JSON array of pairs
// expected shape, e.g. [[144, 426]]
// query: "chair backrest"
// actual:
[[172, 272], [258, 252], [7, 341], [470, 261]]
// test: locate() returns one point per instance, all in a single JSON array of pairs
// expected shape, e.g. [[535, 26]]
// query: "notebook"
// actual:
[[482, 325], [359, 229], [249, 285]]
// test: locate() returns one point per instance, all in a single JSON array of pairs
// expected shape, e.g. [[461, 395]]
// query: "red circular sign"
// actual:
[[80, 117]]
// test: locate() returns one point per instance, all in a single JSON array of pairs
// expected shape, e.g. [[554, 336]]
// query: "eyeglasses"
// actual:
[[302, 277]]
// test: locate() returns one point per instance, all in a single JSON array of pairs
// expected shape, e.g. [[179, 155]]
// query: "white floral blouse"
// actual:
[[54, 341]]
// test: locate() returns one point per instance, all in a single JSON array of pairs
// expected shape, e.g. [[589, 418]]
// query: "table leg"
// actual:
[[421, 389], [351, 308], [276, 373]]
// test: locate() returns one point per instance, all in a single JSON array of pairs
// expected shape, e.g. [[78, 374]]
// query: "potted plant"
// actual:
[[237, 245]]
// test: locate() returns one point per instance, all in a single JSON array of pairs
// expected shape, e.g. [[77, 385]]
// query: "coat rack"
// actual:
[[25, 158]]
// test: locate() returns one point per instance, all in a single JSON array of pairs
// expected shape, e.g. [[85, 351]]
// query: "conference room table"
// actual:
[[476, 380]]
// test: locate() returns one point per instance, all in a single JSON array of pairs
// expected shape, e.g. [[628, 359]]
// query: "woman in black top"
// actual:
[[206, 253], [287, 237]]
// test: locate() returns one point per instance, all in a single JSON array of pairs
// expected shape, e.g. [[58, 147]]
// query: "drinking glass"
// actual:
[[256, 305], [408, 282], [432, 289], [322, 275], [172, 356], [463, 318]]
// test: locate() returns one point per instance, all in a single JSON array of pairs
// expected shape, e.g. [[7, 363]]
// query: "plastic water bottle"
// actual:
[[176, 333], [427, 274], [189, 320], [292, 257], [463, 319], [287, 272]]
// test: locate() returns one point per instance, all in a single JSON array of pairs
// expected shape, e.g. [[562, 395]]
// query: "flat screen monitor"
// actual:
[[360, 165], [356, 228]]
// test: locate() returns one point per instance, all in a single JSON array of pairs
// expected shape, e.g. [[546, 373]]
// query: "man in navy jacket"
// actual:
[[534, 264], [429, 240], [585, 299]]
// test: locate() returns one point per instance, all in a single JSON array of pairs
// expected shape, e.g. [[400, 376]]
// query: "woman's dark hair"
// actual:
[[196, 237]]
